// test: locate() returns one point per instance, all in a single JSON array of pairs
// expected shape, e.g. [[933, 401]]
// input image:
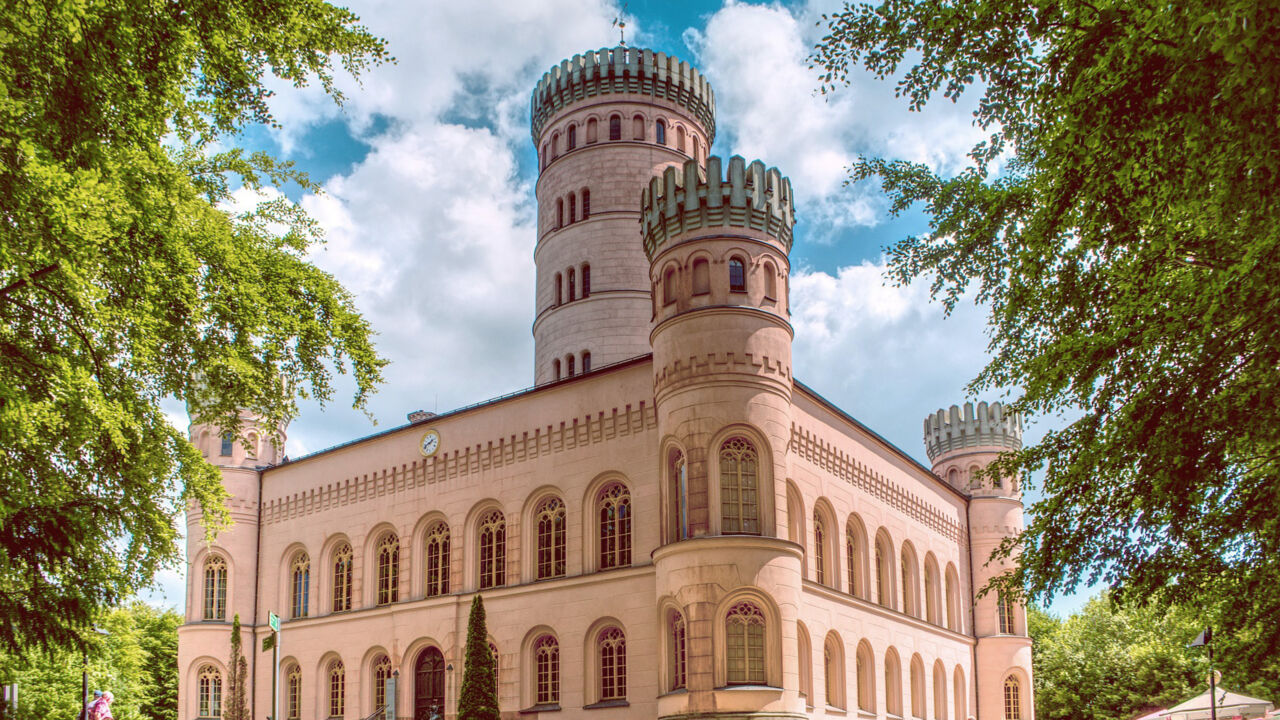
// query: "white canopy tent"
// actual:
[[1229, 705]]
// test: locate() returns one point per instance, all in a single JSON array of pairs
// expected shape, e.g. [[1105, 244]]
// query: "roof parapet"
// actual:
[[991, 426]]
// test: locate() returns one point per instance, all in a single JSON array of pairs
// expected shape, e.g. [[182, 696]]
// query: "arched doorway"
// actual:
[[428, 685]]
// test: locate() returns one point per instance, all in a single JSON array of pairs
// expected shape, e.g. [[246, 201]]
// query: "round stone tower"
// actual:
[[960, 443], [717, 247], [604, 123]]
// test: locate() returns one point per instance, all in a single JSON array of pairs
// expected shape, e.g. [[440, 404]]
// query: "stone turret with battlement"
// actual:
[[604, 123]]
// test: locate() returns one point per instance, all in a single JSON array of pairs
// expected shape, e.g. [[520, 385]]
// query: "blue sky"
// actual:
[[428, 207]]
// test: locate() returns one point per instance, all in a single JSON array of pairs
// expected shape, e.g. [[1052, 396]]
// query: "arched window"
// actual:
[[744, 645], [697, 151], [493, 550], [910, 581], [819, 549], [555, 367], [805, 662], [637, 127], [680, 139], [679, 657], [559, 290], [997, 482], [227, 439], [559, 213], [586, 213], [210, 692], [892, 683], [953, 599], [592, 130], [1012, 699], [739, 504], [677, 529], [569, 361], [854, 554], [586, 361], [546, 156], [573, 208], [300, 584], [550, 523], [546, 661], [615, 527], [215, 588], [939, 692], [586, 268], [932, 598], [917, 688], [975, 477], [669, 286], [770, 281], [960, 691], [342, 578], [251, 446], [833, 670], [884, 571], [573, 285], [438, 560], [701, 276], [555, 145], [337, 689], [612, 645], [493, 653], [1005, 610], [388, 569], [953, 477], [293, 693], [428, 683], [865, 671], [737, 275], [660, 132], [381, 674], [573, 136], [615, 127]]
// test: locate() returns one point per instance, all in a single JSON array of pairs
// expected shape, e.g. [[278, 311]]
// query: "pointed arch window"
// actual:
[[438, 560], [615, 527], [676, 520], [1012, 699], [337, 689], [612, 645], [679, 657], [551, 544], [300, 584], [744, 645], [546, 660], [737, 275], [819, 549], [388, 569], [342, 578], [493, 550], [293, 693], [210, 680], [615, 127], [381, 674], [215, 588], [739, 487]]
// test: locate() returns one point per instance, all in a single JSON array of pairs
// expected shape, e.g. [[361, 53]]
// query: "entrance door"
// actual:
[[428, 686]]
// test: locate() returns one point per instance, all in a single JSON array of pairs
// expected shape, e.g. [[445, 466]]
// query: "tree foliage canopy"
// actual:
[[124, 280], [1120, 224]]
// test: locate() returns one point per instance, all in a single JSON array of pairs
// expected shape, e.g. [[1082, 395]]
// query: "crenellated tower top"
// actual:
[[623, 70], [991, 426], [687, 200]]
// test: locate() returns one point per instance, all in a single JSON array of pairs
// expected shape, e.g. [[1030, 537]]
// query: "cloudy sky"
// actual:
[[428, 175]]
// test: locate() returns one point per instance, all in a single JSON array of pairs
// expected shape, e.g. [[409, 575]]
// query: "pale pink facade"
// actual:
[[668, 525]]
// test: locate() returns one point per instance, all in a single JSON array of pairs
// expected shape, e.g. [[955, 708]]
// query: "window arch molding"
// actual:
[[424, 526], [592, 504], [834, 677], [529, 666], [368, 666], [323, 574], [319, 682], [772, 635], [832, 545], [673, 493], [529, 510], [196, 583], [671, 614], [857, 564], [764, 477], [369, 555], [467, 552], [884, 571], [193, 682], [591, 691]]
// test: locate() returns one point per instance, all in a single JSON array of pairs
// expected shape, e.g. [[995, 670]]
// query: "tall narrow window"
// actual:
[[819, 549], [770, 281], [493, 550], [215, 588], [342, 578], [660, 132], [555, 145], [613, 664], [892, 684], [592, 130], [669, 286], [701, 276], [679, 658], [586, 270], [637, 127], [737, 275], [866, 678], [676, 520], [210, 692], [615, 127], [438, 560], [555, 367], [226, 444], [573, 136], [569, 361], [573, 208], [739, 504], [381, 674], [546, 661], [930, 592], [853, 558], [1005, 610], [1012, 699], [917, 688], [559, 213], [744, 645], [559, 290], [337, 689], [806, 665], [680, 139], [908, 597], [546, 155], [300, 576], [939, 692], [573, 285], [586, 213], [953, 600], [551, 552], [833, 672], [388, 569], [493, 654], [615, 527], [959, 691], [293, 693]]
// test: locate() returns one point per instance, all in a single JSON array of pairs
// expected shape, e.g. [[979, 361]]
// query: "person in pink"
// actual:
[[101, 708]]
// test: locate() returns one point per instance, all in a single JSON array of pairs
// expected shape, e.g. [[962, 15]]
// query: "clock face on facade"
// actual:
[[430, 443]]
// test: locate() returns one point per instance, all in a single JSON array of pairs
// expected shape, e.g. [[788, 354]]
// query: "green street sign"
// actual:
[[274, 621]]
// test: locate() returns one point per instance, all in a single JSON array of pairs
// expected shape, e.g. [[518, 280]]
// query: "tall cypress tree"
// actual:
[[479, 698], [237, 706]]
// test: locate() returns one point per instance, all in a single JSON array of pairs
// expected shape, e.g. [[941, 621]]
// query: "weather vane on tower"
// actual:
[[621, 24]]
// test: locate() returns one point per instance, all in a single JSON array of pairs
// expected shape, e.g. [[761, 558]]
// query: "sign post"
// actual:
[[273, 642]]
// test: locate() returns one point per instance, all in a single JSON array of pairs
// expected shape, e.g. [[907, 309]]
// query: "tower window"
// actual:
[[739, 502], [545, 157], [744, 645], [615, 127], [586, 274], [676, 494], [573, 136], [559, 289], [680, 139], [1005, 609], [592, 130], [637, 127], [660, 132], [555, 145], [226, 444], [1012, 699], [737, 275], [215, 588], [679, 672], [701, 277], [586, 203], [586, 361], [669, 286], [770, 282], [555, 367], [572, 286], [573, 208], [569, 362]]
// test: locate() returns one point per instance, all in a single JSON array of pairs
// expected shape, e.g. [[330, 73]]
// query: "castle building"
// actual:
[[668, 525]]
